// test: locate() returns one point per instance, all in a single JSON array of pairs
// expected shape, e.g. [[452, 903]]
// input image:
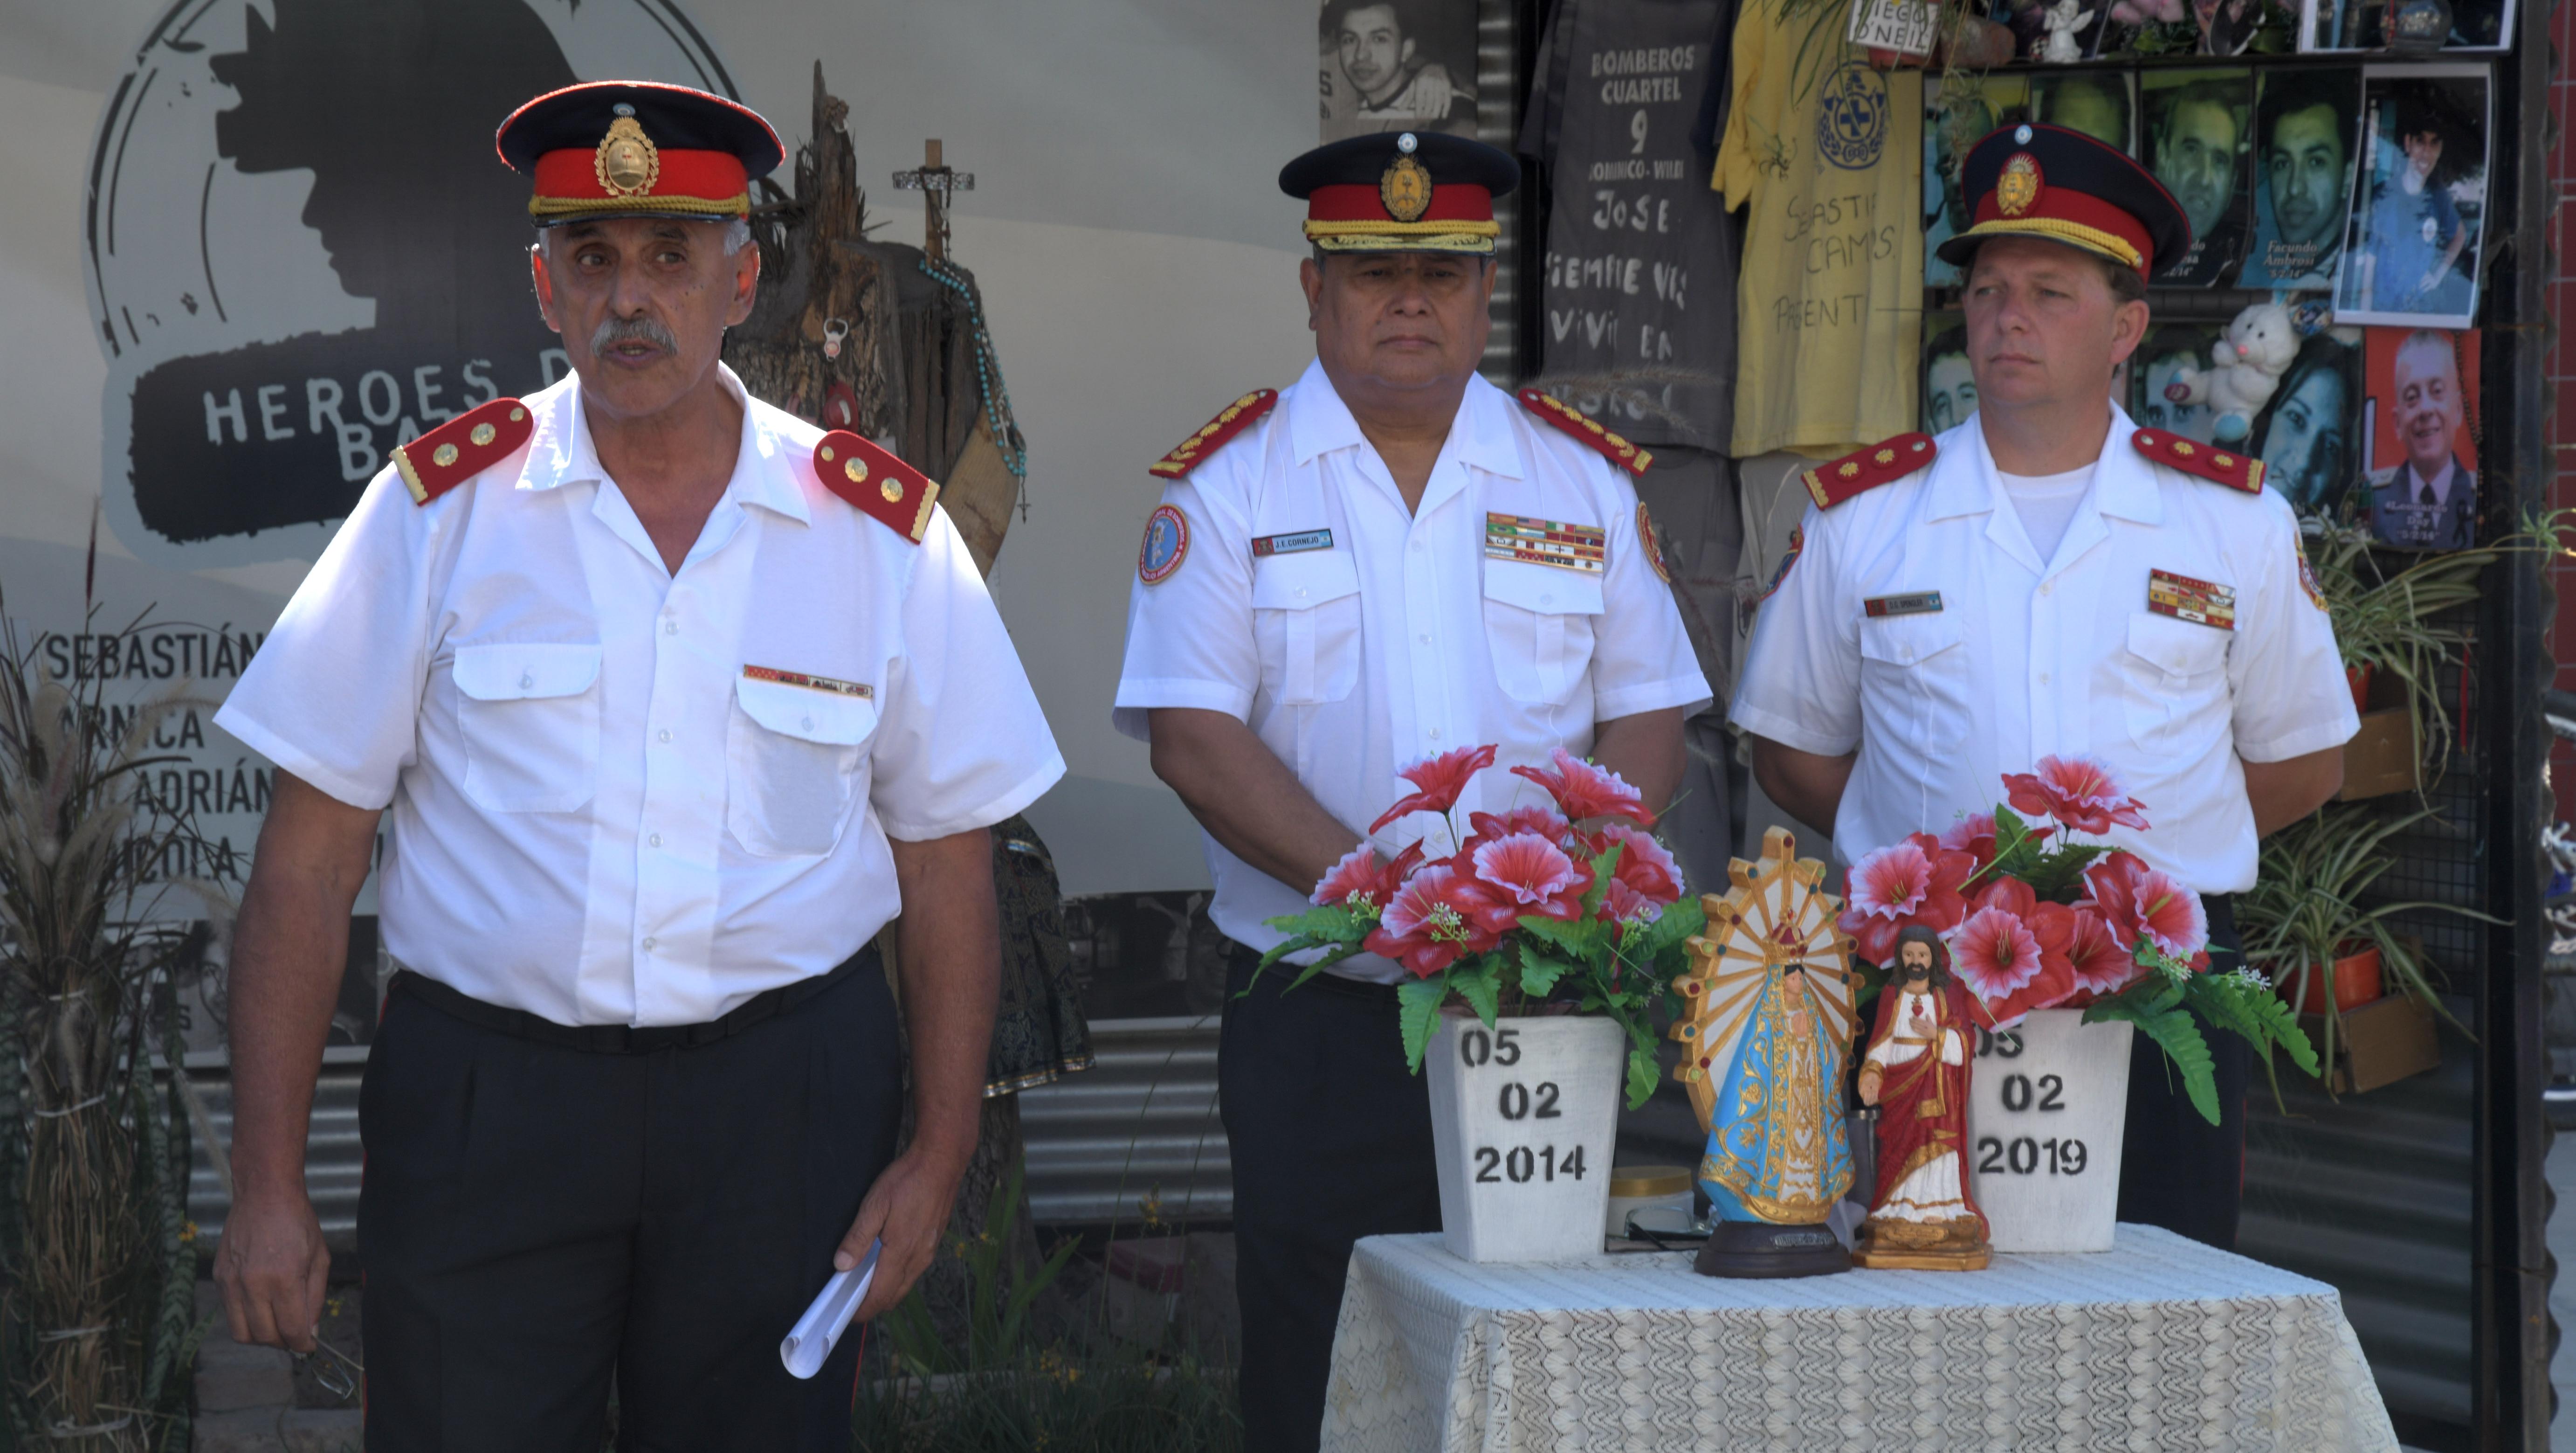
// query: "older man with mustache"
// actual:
[[675, 701]]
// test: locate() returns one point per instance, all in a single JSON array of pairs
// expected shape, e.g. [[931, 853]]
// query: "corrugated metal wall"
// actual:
[[1498, 119]]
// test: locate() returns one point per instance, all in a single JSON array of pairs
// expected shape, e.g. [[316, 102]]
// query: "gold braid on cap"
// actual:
[[2108, 244], [711, 208], [1364, 235]]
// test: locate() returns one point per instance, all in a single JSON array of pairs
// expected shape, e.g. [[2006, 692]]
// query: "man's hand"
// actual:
[[1871, 1077], [289, 950], [1809, 786], [273, 1269], [1245, 796], [2283, 792], [948, 956], [908, 1208]]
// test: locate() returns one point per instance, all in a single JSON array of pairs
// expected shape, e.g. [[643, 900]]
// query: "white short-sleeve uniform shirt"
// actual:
[[2026, 658], [1402, 639], [608, 807]]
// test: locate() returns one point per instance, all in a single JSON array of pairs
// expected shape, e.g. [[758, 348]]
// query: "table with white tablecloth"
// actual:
[[2160, 1343]]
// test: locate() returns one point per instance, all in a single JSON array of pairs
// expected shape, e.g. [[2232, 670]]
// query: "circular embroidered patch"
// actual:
[[2308, 575], [1654, 544], [1167, 544]]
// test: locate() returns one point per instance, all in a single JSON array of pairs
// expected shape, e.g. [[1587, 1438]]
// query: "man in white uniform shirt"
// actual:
[[2045, 580], [1341, 580], [674, 707]]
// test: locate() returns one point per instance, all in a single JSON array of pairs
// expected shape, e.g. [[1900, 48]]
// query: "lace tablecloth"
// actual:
[[2160, 1343]]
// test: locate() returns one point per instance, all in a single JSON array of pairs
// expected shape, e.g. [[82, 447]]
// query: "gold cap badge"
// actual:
[[2018, 187], [627, 163], [1405, 188]]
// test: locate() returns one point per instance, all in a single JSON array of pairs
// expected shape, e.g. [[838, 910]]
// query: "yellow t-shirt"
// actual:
[[1829, 303]]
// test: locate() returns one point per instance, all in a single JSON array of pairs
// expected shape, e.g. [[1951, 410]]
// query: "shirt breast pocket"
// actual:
[[2173, 685], [792, 757], [529, 717], [1914, 677], [1306, 620], [1539, 625]]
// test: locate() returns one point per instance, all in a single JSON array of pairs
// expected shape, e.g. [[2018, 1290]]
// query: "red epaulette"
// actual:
[[882, 486], [462, 448], [1236, 417], [2207, 461], [1863, 470], [1586, 428]]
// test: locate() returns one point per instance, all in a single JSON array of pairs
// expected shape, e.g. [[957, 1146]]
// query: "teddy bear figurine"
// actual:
[[2250, 360]]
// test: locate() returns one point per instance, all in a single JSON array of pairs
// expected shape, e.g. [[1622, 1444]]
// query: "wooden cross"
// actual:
[[934, 181]]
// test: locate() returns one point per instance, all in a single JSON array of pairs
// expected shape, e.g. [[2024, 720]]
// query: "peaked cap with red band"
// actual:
[[881, 485], [1866, 469], [2063, 186], [1408, 191], [638, 149]]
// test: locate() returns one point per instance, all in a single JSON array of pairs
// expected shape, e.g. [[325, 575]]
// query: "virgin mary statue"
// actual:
[[1767, 1029]]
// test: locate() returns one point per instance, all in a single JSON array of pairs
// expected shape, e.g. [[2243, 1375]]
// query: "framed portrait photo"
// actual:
[[2309, 435], [2199, 142], [2360, 25], [2420, 427], [1396, 65], [2410, 255], [2307, 131], [1950, 128], [1949, 390]]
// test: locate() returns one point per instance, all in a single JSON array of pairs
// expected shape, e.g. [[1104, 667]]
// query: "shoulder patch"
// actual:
[[462, 448], [1233, 419], [2231, 467], [1863, 470], [892, 492], [1586, 429], [1167, 544]]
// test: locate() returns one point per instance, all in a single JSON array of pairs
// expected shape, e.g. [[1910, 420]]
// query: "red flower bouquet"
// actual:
[[1572, 905], [2073, 925]]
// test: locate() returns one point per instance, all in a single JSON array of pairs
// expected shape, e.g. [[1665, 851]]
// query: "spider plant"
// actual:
[[2383, 620], [97, 1283], [2304, 910]]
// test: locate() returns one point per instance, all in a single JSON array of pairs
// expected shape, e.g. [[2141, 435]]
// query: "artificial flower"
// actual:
[[1994, 953], [1644, 864], [1547, 822], [2077, 791], [1582, 790], [2100, 964], [1975, 836], [2139, 902], [1905, 884], [1534, 875], [1439, 916], [2012, 895], [1360, 878], [1438, 781], [1627, 908], [2052, 928]]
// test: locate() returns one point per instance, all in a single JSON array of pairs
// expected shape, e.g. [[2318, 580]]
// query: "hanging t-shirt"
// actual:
[[1639, 283], [1826, 152]]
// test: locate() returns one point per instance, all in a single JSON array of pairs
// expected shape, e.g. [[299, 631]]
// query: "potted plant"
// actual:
[[2062, 943], [2306, 930], [1557, 931], [2383, 621]]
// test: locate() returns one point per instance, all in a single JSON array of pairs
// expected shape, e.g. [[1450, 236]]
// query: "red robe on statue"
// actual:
[[1923, 1107]]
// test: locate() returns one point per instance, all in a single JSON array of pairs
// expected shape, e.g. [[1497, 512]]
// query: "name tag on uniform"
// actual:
[[2187, 599], [1919, 603], [1547, 542], [811, 683], [1303, 540]]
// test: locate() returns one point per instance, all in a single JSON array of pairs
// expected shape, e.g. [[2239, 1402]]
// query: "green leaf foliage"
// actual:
[[1643, 1075], [1667, 934], [1585, 939], [1481, 987], [1418, 1010], [1540, 971], [2158, 1013]]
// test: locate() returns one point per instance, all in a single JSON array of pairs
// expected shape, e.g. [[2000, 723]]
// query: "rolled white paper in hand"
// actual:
[[810, 1341]]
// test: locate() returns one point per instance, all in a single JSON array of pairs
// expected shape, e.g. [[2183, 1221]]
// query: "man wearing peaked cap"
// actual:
[[1389, 560], [2048, 580], [675, 701]]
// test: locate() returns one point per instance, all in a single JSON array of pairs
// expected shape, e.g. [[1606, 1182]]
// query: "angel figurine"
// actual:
[[2064, 21]]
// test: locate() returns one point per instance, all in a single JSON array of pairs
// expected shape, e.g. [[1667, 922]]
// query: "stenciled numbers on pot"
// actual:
[[2033, 1152], [1518, 1101]]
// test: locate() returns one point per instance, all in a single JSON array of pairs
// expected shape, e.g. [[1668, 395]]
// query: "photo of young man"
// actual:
[[2304, 125], [2412, 253], [2199, 129], [1397, 65]]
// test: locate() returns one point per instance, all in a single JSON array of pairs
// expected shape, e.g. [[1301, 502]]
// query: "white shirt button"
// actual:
[[648, 943], [1426, 638], [809, 723], [2043, 678], [666, 734], [527, 679], [1547, 600], [1435, 734], [670, 628], [2048, 589], [655, 840]]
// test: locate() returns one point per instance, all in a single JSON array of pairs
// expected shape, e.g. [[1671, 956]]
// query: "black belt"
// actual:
[[622, 1038]]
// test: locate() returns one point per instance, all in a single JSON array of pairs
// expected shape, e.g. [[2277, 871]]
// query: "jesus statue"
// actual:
[[1923, 1216]]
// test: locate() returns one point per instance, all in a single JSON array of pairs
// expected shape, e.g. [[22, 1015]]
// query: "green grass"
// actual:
[[1112, 1402]]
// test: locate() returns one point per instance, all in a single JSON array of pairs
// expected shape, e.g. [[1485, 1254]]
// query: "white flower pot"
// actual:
[[1524, 1118], [2047, 1103]]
